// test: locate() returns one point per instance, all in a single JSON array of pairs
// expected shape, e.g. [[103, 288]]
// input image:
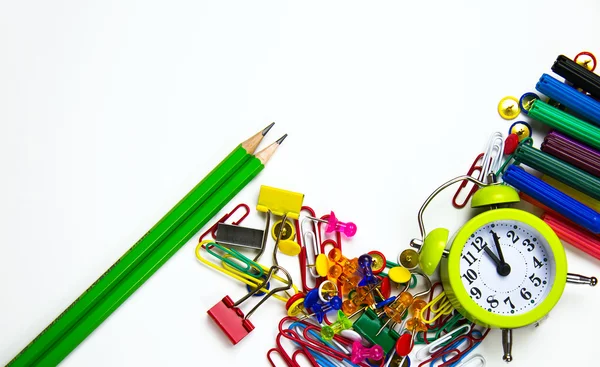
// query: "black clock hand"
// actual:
[[502, 267], [497, 243], [493, 256]]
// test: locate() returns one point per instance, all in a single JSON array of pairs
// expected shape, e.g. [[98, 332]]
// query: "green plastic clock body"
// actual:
[[459, 295]]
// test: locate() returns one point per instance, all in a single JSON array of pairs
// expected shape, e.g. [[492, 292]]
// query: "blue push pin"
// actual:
[[311, 298], [319, 310], [365, 262]]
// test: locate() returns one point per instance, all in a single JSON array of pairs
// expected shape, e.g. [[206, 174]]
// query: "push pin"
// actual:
[[379, 262], [342, 323], [362, 296], [409, 259], [586, 59], [521, 129], [295, 305], [288, 232], [508, 108], [365, 262], [406, 342], [334, 225], [511, 143], [360, 353], [319, 310], [526, 101], [327, 290], [396, 310]]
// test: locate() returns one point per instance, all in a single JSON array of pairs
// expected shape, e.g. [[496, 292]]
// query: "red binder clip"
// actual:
[[232, 320]]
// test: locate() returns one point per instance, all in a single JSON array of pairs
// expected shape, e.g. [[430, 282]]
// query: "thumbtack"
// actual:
[[334, 225]]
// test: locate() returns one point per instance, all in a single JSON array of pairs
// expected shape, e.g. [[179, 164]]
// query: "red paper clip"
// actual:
[[475, 167]]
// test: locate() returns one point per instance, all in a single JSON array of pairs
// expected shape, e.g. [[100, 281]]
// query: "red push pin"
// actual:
[[511, 143]]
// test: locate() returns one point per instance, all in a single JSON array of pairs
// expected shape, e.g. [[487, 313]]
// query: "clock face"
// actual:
[[507, 267]]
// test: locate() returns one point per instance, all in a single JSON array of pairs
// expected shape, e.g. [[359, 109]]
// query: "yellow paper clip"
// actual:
[[246, 277], [439, 306], [279, 202]]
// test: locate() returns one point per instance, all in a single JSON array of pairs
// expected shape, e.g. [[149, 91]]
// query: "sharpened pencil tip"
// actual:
[[280, 140], [266, 129]]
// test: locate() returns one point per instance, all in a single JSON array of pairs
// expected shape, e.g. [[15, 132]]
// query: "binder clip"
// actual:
[[279, 202], [232, 320]]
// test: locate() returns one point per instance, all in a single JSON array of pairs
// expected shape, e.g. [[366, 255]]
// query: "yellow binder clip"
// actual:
[[279, 202]]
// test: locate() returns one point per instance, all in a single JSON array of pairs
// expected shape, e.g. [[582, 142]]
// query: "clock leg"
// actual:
[[507, 344], [581, 279]]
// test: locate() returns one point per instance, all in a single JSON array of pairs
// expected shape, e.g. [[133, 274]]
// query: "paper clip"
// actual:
[[475, 168], [213, 229], [476, 360], [307, 259], [248, 279], [492, 158], [234, 259], [428, 350], [232, 320], [439, 306]]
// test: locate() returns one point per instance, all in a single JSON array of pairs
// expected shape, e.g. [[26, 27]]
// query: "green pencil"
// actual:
[[157, 258], [50, 337]]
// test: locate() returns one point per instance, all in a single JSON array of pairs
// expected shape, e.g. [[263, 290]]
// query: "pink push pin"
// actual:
[[333, 224], [360, 353]]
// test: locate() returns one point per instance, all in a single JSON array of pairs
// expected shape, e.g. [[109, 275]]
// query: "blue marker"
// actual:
[[581, 104]]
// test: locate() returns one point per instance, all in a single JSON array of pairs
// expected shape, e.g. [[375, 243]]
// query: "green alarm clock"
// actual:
[[505, 268]]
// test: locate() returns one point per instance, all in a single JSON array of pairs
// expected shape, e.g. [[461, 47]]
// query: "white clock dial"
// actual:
[[515, 285]]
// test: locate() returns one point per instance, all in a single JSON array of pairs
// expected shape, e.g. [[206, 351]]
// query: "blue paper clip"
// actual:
[[552, 198], [581, 104]]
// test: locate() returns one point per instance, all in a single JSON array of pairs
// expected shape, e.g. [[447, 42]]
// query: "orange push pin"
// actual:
[[360, 297], [397, 309], [406, 342]]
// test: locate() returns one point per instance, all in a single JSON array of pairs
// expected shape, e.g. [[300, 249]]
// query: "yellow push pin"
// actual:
[[399, 274], [289, 247], [288, 232], [409, 258], [322, 265], [521, 129], [508, 108]]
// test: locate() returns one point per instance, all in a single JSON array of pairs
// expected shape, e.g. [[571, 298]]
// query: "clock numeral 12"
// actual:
[[479, 244]]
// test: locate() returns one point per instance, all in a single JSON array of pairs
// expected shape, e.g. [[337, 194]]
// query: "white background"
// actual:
[[110, 111]]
